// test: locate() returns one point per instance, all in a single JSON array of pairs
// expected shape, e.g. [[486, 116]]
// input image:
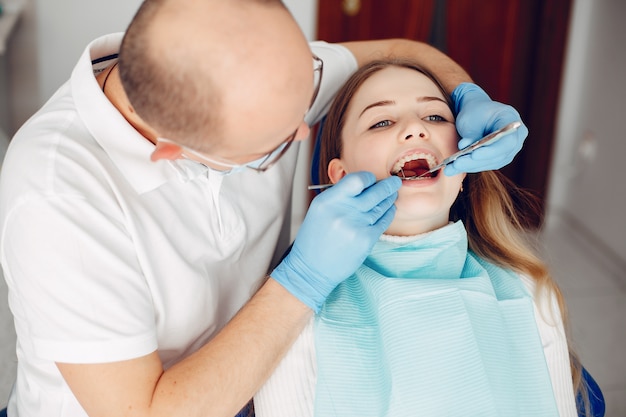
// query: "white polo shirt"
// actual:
[[109, 256]]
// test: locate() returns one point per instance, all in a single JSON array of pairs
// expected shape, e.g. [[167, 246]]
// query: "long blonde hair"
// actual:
[[491, 207]]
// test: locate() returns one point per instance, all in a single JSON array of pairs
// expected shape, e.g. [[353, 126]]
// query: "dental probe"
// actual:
[[319, 186], [490, 138]]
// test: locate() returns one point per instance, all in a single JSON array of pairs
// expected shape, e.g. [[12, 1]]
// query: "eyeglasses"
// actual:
[[268, 160]]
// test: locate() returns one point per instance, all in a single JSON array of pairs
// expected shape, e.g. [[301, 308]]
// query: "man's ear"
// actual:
[[336, 170], [166, 150]]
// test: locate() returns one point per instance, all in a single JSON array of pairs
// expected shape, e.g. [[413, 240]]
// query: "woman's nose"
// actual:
[[415, 129], [421, 135]]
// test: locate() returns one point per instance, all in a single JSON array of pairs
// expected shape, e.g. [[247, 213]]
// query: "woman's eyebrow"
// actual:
[[430, 98], [424, 99], [377, 104]]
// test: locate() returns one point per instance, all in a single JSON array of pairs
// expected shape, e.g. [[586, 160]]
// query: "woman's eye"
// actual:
[[382, 123], [435, 118]]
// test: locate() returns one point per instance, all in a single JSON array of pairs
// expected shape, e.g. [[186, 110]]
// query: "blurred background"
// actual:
[[561, 63]]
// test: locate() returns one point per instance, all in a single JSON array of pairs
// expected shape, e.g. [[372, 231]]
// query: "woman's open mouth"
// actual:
[[414, 165]]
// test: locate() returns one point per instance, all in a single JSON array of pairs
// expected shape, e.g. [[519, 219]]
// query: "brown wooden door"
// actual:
[[512, 48]]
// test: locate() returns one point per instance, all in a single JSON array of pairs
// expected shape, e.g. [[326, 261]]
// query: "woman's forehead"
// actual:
[[395, 79], [391, 84]]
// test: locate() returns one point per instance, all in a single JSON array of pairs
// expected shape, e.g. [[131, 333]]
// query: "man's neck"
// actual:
[[111, 85]]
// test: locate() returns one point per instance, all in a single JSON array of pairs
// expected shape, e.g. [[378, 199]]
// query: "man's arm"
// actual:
[[431, 59], [216, 380], [339, 230]]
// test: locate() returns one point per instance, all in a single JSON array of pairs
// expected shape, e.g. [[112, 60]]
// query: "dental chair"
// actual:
[[596, 398]]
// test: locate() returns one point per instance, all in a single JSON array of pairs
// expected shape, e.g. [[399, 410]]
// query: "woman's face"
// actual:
[[399, 120]]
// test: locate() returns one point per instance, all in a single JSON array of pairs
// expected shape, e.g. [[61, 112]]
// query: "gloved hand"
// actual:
[[339, 230], [477, 116]]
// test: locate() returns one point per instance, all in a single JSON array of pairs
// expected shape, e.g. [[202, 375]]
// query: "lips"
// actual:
[[414, 164]]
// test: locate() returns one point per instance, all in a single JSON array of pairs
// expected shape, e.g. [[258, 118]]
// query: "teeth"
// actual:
[[400, 163]]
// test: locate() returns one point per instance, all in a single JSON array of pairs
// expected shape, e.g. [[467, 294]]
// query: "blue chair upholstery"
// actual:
[[315, 158], [246, 411], [596, 399]]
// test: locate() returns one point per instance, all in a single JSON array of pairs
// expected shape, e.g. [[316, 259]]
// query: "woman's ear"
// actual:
[[336, 170], [166, 150]]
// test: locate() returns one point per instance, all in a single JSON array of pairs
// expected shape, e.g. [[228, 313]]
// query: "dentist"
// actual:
[[146, 206]]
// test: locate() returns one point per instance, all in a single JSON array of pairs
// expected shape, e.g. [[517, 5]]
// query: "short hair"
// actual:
[[178, 100]]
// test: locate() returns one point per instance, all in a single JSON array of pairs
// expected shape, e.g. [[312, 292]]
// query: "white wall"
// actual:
[[587, 183], [49, 38], [64, 28], [305, 13]]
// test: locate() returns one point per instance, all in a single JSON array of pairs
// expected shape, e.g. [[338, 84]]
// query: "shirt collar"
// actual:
[[126, 147]]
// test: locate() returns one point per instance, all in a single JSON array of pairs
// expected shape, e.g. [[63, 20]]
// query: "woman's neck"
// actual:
[[411, 227]]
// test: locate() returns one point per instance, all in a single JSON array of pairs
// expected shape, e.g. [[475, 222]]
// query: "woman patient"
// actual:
[[452, 313]]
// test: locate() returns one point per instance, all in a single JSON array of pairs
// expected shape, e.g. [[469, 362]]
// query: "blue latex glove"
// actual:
[[339, 230], [477, 116]]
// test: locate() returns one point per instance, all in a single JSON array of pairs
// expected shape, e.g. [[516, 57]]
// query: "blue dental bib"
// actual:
[[426, 328]]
